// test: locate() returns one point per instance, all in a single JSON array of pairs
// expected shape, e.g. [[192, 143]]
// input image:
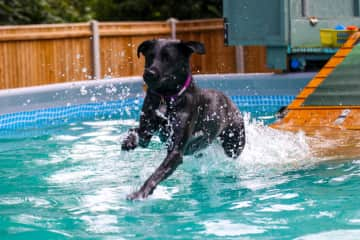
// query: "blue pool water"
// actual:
[[70, 182]]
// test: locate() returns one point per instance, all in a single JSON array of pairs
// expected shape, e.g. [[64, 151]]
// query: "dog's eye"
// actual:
[[151, 55]]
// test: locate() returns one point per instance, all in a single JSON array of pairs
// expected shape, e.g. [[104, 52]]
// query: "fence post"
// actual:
[[172, 22], [95, 49], [239, 58]]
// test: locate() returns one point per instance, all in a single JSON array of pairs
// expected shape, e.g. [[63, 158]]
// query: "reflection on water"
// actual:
[[330, 143]]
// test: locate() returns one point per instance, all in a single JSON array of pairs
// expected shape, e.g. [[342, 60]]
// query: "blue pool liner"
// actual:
[[59, 104]]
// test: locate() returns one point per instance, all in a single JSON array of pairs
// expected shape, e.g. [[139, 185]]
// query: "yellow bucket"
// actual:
[[334, 38]]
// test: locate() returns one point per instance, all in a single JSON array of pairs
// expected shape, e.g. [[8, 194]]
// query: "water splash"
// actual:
[[266, 146], [266, 149], [267, 155]]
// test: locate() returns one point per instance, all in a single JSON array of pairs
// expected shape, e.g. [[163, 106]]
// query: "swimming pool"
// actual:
[[63, 179]]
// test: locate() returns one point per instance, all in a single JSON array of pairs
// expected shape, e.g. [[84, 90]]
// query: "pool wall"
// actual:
[[55, 104]]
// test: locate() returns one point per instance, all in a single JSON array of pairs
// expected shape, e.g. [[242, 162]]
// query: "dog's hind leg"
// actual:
[[233, 140]]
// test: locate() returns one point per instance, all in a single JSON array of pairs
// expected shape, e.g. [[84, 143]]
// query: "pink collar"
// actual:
[[182, 90]]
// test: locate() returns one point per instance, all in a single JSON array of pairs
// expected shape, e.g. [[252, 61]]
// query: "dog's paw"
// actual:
[[138, 195], [130, 142]]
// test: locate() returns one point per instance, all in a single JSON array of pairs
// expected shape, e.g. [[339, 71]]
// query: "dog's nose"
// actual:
[[151, 74]]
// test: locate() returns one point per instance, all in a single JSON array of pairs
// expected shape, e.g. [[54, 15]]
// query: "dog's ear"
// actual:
[[195, 47], [145, 46]]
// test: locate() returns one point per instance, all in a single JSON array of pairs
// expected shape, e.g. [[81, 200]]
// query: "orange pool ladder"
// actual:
[[329, 122]]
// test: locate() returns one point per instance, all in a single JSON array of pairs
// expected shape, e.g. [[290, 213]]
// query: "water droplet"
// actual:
[[83, 91]]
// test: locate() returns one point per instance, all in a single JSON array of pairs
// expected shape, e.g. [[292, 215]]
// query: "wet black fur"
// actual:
[[189, 122]]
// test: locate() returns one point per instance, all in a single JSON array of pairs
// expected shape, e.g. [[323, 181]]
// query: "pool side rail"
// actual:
[[322, 119]]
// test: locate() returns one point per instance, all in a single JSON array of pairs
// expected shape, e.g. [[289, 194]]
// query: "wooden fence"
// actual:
[[43, 54]]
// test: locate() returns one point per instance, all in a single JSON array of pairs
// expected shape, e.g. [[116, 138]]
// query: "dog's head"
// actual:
[[167, 63]]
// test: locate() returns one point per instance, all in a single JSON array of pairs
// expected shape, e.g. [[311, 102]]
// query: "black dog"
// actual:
[[187, 117]]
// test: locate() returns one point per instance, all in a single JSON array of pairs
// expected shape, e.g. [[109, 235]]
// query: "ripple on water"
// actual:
[[102, 223], [282, 208], [337, 234], [224, 228], [85, 177]]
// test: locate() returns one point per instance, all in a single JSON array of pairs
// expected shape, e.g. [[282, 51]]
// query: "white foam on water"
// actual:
[[12, 201], [164, 193], [355, 221], [268, 153], [262, 180], [281, 208], [27, 219], [124, 122], [340, 179], [223, 228], [266, 146], [327, 214], [64, 138], [336, 234], [70, 176], [102, 200], [356, 162], [279, 196], [265, 149], [241, 204], [96, 158], [104, 223]]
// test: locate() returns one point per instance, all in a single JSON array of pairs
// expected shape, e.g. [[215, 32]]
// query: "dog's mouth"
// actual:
[[152, 77], [165, 84], [152, 84]]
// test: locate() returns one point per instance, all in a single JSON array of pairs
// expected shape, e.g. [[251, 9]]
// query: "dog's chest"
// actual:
[[161, 112], [164, 120]]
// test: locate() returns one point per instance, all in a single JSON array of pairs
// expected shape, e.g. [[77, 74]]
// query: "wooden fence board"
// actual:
[[52, 53]]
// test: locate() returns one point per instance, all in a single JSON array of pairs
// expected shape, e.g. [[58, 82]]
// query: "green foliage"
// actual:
[[44, 11], [156, 9], [58, 11]]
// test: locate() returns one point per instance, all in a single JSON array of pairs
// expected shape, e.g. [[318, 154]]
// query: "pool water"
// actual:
[[71, 182]]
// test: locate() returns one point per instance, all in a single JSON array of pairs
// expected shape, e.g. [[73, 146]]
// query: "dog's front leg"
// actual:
[[137, 136], [181, 133], [148, 125], [167, 167]]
